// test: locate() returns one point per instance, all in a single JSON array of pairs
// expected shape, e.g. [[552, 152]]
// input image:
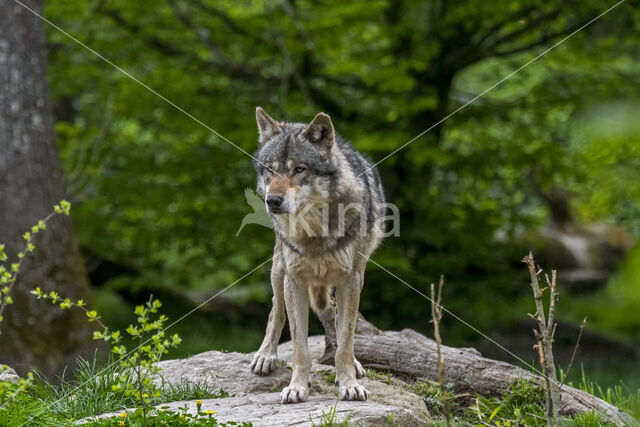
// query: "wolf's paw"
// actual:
[[294, 394], [353, 392], [263, 364], [360, 372], [359, 369]]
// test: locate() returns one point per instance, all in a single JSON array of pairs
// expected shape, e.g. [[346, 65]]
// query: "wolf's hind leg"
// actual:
[[360, 372], [266, 358], [297, 303]]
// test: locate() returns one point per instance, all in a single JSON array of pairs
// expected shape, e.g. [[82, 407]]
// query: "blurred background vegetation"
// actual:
[[547, 161]]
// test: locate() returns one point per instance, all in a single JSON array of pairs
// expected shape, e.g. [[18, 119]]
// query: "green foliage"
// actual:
[[385, 71], [8, 276], [586, 419], [523, 404], [431, 393], [140, 365], [158, 418], [91, 390], [619, 395], [611, 309], [9, 391]]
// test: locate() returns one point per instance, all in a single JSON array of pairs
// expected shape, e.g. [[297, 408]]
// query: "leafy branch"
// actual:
[[8, 277]]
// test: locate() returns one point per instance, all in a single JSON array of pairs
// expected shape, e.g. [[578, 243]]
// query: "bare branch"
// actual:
[[436, 317], [573, 354]]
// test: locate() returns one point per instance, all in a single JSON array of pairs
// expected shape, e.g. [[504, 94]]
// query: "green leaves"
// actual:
[[140, 365], [7, 277], [63, 208], [92, 315]]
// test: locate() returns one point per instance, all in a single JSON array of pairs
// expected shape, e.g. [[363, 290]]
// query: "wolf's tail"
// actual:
[[319, 297]]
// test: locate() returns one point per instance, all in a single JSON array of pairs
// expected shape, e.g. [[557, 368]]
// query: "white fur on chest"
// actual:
[[340, 260]]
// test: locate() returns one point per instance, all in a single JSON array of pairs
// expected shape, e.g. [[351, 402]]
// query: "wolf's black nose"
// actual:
[[274, 201]]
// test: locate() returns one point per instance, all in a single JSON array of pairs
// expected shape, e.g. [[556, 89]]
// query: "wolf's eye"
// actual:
[[299, 169]]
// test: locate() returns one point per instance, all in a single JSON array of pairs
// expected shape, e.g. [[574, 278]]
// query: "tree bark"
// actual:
[[34, 334]]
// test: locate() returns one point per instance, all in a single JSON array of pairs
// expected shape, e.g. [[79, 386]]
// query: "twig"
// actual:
[[436, 317], [28, 247], [573, 354]]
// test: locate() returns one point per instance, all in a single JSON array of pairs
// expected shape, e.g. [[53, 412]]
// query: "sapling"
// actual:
[[436, 317], [544, 337], [140, 363], [8, 277]]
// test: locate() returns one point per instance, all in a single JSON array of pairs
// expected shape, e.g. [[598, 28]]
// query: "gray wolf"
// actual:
[[327, 207]]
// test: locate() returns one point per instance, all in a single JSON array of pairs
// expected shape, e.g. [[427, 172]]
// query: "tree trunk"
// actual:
[[34, 333]]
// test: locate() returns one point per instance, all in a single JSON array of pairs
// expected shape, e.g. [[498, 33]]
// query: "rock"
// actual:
[[265, 409], [256, 399], [9, 375], [585, 255]]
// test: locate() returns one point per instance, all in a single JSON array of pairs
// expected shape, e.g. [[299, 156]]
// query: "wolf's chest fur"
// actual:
[[320, 267]]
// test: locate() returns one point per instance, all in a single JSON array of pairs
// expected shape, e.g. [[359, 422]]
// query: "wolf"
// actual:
[[326, 202]]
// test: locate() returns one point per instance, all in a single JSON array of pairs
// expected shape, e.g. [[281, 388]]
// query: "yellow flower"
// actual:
[[209, 412], [123, 415], [199, 404], [121, 424]]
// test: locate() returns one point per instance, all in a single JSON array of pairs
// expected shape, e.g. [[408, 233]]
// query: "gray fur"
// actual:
[[328, 221]]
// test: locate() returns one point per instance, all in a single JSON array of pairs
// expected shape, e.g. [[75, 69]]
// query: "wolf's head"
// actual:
[[294, 163]]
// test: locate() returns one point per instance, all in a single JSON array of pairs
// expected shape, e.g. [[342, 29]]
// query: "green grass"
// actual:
[[329, 418], [586, 419], [618, 395], [88, 392], [522, 404], [164, 418]]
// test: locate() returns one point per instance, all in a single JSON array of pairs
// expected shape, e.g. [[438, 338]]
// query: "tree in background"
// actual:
[[385, 71], [34, 336]]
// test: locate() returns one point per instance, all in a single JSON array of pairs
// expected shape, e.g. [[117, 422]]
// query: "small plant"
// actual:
[[436, 317], [586, 419], [139, 366], [390, 419], [8, 277], [329, 419], [10, 391], [384, 376], [163, 417], [522, 404], [431, 393]]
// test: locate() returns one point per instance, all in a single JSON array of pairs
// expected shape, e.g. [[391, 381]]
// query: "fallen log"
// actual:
[[411, 354]]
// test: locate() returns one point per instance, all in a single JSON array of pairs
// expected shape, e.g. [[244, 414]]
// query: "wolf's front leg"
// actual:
[[266, 359], [296, 296], [347, 300]]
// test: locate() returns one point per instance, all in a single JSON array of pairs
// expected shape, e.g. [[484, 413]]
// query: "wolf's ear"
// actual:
[[267, 126], [320, 131]]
